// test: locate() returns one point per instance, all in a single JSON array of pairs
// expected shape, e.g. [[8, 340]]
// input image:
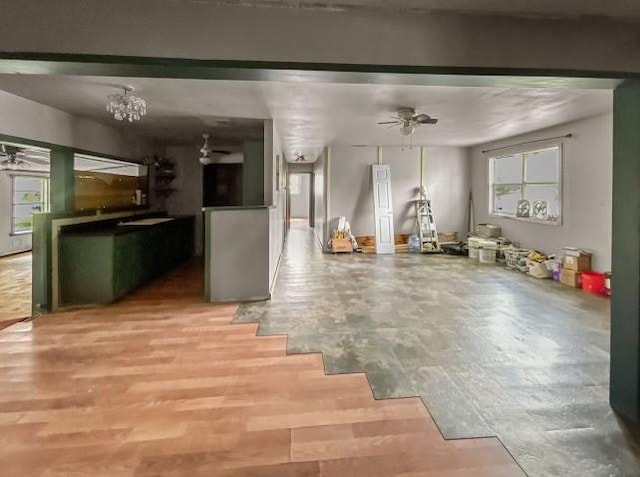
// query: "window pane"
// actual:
[[542, 166], [27, 189], [25, 210], [507, 170], [547, 198], [505, 198], [22, 224], [30, 196]]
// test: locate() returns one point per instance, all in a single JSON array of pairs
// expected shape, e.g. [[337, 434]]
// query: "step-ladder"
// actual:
[[427, 232]]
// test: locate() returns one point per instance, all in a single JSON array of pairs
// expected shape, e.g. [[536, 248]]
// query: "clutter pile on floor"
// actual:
[[572, 269]]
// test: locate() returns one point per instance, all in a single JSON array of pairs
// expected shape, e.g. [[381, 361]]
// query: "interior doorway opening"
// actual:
[[301, 198], [24, 191]]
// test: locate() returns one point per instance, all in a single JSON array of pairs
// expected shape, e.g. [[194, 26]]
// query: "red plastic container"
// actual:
[[593, 282]]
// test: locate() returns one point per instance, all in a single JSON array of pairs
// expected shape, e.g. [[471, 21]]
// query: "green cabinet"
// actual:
[[99, 267]]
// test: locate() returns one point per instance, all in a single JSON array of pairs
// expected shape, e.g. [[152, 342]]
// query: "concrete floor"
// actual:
[[490, 351]]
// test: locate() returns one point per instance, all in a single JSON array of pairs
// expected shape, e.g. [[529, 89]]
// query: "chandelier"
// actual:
[[126, 106]]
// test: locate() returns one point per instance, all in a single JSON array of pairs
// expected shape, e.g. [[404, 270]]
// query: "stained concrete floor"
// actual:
[[490, 351]]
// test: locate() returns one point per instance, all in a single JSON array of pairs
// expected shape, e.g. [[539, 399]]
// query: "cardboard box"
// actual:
[[341, 245], [488, 230], [581, 263], [571, 278]]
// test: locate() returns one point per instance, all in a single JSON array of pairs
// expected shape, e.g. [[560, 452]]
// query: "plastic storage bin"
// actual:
[[474, 247], [487, 255], [487, 252], [593, 282]]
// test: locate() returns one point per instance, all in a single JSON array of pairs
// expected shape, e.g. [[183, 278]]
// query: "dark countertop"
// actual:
[[115, 229], [234, 207]]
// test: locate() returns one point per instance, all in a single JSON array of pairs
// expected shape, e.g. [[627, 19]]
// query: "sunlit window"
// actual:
[[30, 196], [527, 185]]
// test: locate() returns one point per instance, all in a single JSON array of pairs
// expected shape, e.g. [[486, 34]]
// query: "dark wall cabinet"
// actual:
[[99, 267]]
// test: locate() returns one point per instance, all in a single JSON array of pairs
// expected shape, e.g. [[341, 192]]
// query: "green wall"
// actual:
[[62, 180], [625, 302]]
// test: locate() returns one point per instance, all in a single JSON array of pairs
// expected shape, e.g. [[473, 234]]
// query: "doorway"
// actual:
[[300, 198], [24, 191]]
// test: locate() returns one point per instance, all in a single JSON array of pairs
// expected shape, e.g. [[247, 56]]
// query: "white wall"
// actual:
[[300, 202], [278, 194], [586, 191], [30, 120], [446, 175], [206, 31], [27, 119], [239, 260], [187, 199], [320, 197]]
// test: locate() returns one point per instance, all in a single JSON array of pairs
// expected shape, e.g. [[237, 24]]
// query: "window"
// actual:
[[30, 196], [527, 185]]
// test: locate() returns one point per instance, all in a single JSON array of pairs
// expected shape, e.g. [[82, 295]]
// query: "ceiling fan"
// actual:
[[14, 157], [408, 121], [206, 159], [300, 157]]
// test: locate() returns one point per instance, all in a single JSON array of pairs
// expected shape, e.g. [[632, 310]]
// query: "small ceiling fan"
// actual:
[[206, 159], [300, 157], [408, 121], [14, 157]]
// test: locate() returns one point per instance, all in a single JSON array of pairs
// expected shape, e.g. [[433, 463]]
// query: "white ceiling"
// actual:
[[621, 9], [309, 116]]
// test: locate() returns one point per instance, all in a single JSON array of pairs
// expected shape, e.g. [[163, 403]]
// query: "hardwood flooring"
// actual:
[[162, 384], [15, 288]]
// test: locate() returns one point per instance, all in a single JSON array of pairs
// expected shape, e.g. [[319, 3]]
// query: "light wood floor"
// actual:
[[15, 287], [162, 385]]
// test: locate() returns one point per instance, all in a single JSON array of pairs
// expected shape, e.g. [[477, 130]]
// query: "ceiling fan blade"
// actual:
[[425, 119], [219, 151], [32, 155], [390, 122], [36, 161]]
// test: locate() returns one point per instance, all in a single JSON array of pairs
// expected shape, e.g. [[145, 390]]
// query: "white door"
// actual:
[[383, 209]]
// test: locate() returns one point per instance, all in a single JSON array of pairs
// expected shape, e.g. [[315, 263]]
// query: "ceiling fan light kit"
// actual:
[[407, 130], [408, 121], [205, 151]]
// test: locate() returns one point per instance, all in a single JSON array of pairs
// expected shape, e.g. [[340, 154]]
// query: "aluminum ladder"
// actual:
[[427, 231]]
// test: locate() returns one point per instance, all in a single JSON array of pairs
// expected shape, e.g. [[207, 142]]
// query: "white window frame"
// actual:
[[46, 202], [523, 183]]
